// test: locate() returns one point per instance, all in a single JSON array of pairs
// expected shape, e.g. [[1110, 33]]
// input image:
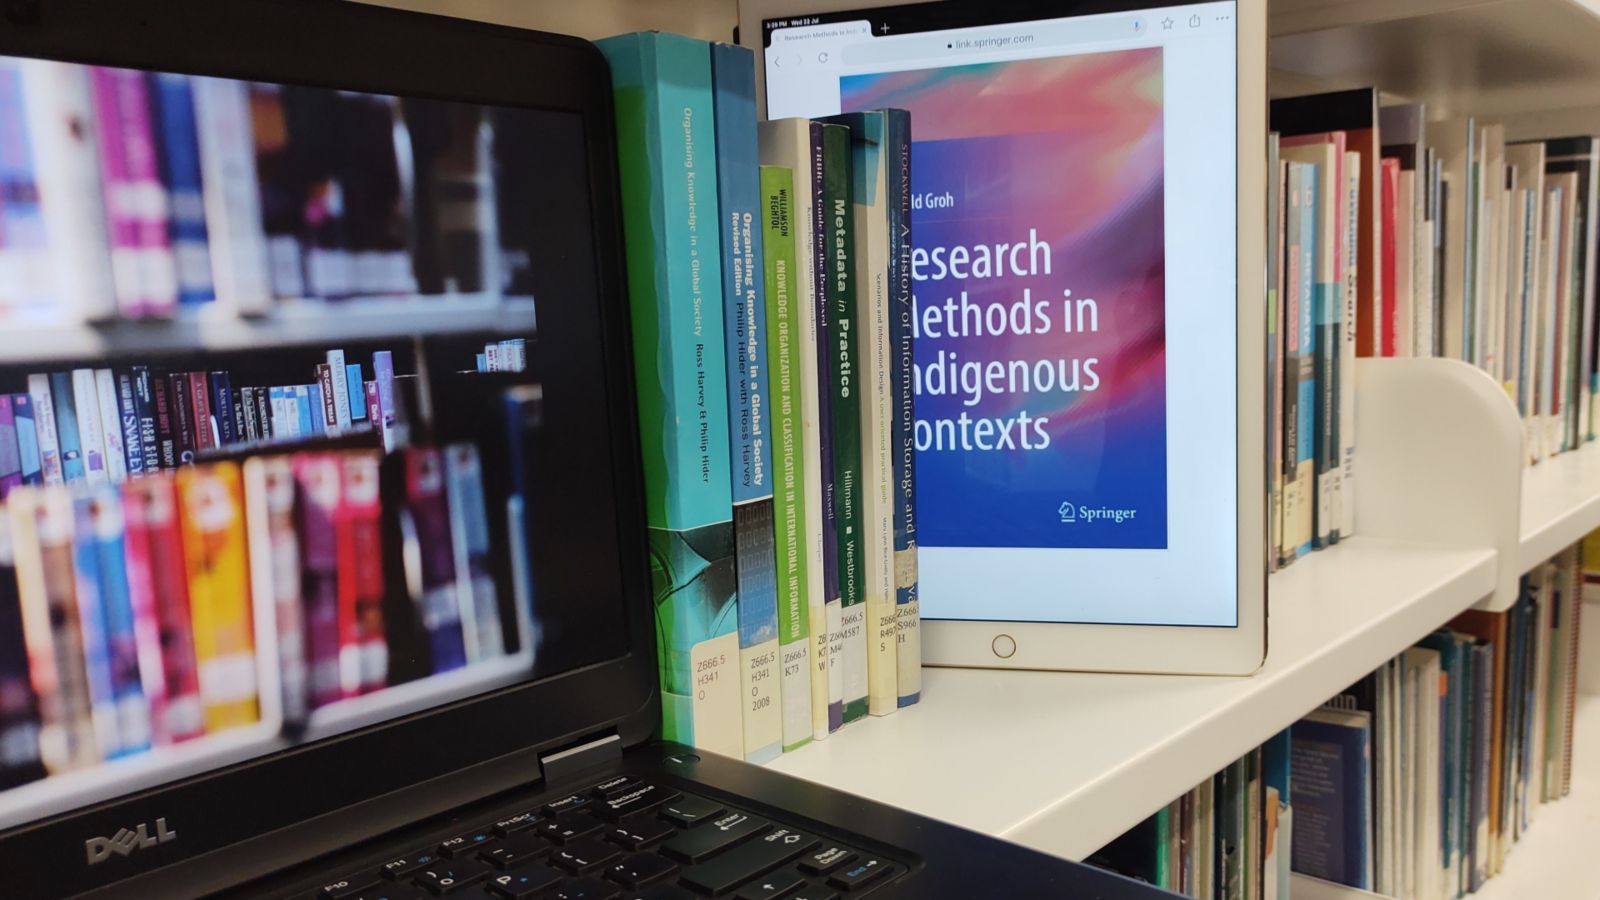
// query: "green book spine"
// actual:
[[844, 389], [666, 161], [788, 458]]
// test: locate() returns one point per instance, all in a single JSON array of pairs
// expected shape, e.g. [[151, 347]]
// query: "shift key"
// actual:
[[723, 831], [731, 869]]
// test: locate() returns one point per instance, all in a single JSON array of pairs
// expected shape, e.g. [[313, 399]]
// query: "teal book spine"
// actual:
[[733, 76], [1306, 407], [790, 525], [902, 377], [667, 154], [845, 388]]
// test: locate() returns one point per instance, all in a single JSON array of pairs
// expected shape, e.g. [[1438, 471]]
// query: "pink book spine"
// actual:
[[120, 191], [146, 621], [158, 268]]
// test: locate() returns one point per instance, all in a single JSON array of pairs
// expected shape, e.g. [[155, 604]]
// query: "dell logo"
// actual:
[[124, 842]]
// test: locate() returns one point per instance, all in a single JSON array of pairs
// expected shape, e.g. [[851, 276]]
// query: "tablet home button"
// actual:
[[1004, 645]]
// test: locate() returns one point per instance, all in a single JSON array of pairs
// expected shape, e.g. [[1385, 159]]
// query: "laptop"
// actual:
[[430, 191]]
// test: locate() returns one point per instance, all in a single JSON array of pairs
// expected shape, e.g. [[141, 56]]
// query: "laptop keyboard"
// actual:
[[625, 839]]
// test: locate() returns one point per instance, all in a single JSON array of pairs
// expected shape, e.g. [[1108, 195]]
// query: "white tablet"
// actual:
[[1088, 214]]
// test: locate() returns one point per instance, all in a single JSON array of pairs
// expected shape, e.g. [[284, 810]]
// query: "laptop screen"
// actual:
[[1073, 264], [300, 426]]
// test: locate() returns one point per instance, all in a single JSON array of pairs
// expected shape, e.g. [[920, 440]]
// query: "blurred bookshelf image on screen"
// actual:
[[271, 406]]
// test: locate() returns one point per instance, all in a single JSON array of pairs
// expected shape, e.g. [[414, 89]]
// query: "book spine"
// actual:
[[105, 388], [666, 146], [374, 404], [24, 252], [388, 420], [279, 547], [41, 535], [1349, 331], [151, 205], [822, 286], [28, 461], [74, 466], [844, 384], [249, 423], [355, 393], [142, 604], [265, 423], [179, 157], [10, 449], [1328, 311], [92, 623], [308, 418], [219, 593], [281, 191], [200, 415], [324, 407], [125, 201], [154, 503], [181, 413], [366, 668], [19, 714], [220, 397], [469, 529], [902, 379], [748, 396], [339, 387], [61, 125], [1306, 399], [166, 434], [51, 466], [788, 455], [438, 611], [91, 433], [236, 241], [317, 478], [105, 522], [128, 415]]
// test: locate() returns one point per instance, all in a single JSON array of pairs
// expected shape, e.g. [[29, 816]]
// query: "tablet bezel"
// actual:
[[1238, 650]]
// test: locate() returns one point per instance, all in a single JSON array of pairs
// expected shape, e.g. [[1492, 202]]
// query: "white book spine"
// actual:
[[61, 125], [44, 420], [238, 242], [92, 436], [105, 386], [341, 389]]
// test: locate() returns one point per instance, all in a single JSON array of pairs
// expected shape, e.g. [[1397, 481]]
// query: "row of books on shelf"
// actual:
[[223, 596], [1389, 235], [1414, 783], [131, 194], [775, 389], [103, 425]]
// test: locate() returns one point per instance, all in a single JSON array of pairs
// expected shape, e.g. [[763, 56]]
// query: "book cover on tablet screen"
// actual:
[[1039, 291]]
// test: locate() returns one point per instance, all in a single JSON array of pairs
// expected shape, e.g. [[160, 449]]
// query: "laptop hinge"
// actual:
[[588, 755]]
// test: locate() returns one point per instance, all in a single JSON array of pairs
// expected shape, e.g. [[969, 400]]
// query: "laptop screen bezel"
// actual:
[[313, 798]]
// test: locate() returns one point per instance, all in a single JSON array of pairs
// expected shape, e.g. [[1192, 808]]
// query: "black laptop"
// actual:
[[525, 767]]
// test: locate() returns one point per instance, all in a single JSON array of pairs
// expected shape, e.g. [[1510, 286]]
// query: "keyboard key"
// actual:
[[529, 881], [587, 889], [772, 885], [639, 833], [611, 787], [566, 804], [825, 860], [723, 873], [814, 892], [659, 892], [859, 874], [641, 868], [466, 844], [580, 857], [389, 892], [570, 828], [516, 823], [729, 829], [351, 884], [405, 865], [638, 799], [452, 875], [687, 812], [516, 851]]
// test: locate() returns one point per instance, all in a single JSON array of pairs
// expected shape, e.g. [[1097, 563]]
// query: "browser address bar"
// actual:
[[1084, 30]]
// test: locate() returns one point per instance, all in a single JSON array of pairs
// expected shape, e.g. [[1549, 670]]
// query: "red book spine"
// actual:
[[146, 621], [200, 411], [1390, 284], [154, 501], [361, 565]]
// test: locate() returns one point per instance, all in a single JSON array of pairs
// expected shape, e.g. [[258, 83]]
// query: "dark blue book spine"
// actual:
[[902, 432], [72, 465], [1482, 756], [222, 407], [1330, 769], [27, 439], [128, 415], [830, 523], [178, 144]]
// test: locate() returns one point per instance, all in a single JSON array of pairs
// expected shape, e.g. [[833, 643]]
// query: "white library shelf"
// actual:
[[289, 322]]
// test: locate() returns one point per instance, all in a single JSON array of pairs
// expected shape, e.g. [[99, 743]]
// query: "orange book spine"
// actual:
[[215, 550]]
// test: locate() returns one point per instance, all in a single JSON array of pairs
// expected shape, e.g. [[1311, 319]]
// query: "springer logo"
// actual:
[[124, 842]]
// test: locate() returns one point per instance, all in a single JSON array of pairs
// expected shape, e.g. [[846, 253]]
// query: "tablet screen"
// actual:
[[1074, 194]]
